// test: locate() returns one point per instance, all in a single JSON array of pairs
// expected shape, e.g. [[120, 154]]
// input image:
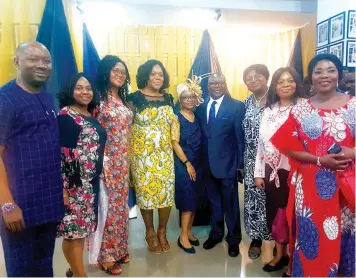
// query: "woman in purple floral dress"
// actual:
[[83, 142]]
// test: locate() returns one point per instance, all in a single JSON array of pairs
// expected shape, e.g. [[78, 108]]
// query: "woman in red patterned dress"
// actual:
[[109, 245], [322, 222]]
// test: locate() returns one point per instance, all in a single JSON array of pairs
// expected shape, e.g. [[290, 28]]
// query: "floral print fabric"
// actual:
[[82, 141], [323, 224], [116, 118], [152, 165]]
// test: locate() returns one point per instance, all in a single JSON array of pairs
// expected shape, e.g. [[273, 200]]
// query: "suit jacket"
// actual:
[[223, 143]]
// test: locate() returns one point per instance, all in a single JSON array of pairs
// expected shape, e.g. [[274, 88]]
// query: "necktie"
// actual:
[[212, 113]]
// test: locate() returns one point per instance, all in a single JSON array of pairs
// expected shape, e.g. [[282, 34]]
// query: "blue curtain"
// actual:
[[296, 58], [202, 62], [91, 57], [54, 34]]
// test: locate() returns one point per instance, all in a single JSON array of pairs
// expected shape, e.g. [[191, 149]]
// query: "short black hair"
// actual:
[[328, 57], [259, 68], [65, 96], [144, 71], [103, 79], [272, 96]]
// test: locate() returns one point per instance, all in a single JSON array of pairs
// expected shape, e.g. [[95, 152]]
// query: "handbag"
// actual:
[[346, 181], [280, 232]]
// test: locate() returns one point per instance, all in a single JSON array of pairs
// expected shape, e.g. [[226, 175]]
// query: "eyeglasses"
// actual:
[[255, 78], [188, 98], [118, 72]]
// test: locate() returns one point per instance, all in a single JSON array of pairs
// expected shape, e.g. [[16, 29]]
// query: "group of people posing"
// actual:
[[68, 174]]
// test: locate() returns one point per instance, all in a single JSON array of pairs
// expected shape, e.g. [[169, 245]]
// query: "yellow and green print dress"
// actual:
[[152, 165]]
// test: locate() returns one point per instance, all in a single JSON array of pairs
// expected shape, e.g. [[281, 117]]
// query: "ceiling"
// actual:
[[304, 6]]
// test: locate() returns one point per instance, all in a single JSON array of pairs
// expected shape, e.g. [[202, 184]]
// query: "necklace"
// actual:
[[258, 102], [77, 110], [284, 110], [189, 117]]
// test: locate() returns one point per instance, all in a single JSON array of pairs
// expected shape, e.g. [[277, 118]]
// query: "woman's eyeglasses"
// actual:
[[188, 98], [255, 78]]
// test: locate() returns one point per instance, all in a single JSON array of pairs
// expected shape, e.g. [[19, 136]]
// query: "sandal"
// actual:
[[112, 270], [255, 249], [69, 273], [165, 246], [153, 244], [125, 260]]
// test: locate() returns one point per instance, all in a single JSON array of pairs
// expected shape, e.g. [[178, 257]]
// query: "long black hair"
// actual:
[[65, 96], [272, 96], [103, 78], [144, 72]]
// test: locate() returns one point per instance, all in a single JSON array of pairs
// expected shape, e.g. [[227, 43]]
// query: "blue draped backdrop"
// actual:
[[91, 57], [202, 62], [54, 34]]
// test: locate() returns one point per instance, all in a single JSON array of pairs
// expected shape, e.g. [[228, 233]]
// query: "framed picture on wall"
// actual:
[[351, 54], [323, 50], [338, 50], [322, 33], [337, 28], [351, 25]]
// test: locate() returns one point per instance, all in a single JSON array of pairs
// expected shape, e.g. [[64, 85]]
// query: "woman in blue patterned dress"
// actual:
[[188, 174]]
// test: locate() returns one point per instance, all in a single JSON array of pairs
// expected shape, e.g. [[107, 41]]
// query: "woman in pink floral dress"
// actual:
[[108, 247]]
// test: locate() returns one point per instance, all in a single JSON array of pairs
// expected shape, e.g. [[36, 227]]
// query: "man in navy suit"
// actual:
[[221, 118]]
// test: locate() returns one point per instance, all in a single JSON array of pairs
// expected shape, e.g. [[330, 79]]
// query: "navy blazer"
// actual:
[[223, 144]]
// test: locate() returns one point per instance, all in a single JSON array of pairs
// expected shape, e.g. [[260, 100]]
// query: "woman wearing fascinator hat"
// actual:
[[188, 175]]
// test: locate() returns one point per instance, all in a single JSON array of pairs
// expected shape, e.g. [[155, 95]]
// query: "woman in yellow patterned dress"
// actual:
[[152, 165]]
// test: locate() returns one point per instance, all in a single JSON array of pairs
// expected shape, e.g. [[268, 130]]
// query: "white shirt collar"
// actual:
[[218, 101]]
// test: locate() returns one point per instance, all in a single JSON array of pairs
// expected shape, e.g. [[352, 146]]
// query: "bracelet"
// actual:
[[318, 163], [65, 195], [185, 162]]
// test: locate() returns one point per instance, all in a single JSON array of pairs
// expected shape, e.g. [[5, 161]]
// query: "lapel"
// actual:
[[222, 108], [204, 117]]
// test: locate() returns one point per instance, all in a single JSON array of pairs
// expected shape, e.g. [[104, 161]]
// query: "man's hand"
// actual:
[[240, 175], [14, 220]]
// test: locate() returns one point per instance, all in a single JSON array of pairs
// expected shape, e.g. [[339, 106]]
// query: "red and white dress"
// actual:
[[322, 222]]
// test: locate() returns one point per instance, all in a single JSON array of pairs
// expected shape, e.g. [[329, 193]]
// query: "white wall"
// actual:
[[329, 8], [100, 16]]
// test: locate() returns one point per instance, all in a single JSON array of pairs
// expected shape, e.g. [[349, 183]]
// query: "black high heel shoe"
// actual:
[[187, 250]]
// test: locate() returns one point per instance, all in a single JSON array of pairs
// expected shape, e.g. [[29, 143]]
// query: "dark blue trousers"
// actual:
[[29, 253], [224, 203]]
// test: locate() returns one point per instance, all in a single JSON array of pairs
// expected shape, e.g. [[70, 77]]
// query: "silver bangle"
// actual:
[[318, 163]]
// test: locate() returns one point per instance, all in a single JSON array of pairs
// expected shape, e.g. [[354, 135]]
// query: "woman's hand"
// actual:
[[191, 171], [335, 161], [65, 198], [349, 153], [260, 183]]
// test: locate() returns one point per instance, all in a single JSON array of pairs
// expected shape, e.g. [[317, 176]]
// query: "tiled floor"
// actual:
[[215, 262]]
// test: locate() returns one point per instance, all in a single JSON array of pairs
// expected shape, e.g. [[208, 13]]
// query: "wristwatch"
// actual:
[[8, 207]]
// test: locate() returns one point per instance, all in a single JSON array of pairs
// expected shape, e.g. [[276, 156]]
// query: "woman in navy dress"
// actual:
[[188, 175]]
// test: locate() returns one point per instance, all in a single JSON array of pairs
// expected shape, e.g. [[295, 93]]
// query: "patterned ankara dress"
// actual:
[[255, 198], [110, 242], [152, 166], [322, 222], [82, 142]]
